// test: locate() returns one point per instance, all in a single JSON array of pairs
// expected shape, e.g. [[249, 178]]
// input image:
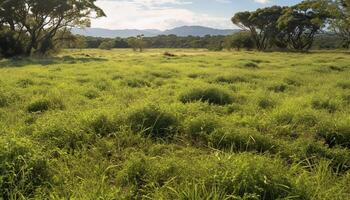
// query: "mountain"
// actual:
[[179, 31], [197, 31]]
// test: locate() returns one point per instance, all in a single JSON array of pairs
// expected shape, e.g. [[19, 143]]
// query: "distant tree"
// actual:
[[107, 45], [137, 43], [262, 24], [340, 20], [302, 22], [35, 25], [239, 40]]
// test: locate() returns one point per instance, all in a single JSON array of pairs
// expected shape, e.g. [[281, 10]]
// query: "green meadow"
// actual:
[[176, 124]]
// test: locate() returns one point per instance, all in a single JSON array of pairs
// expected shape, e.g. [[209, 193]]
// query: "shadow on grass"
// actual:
[[21, 62]]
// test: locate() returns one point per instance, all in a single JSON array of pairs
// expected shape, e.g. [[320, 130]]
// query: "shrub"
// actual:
[[43, 105], [210, 95], [153, 122], [23, 169]]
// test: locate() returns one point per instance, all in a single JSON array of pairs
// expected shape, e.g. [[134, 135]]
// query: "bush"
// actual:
[[210, 95], [153, 122], [43, 105], [23, 169]]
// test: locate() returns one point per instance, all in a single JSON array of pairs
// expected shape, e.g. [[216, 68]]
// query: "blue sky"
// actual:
[[165, 14]]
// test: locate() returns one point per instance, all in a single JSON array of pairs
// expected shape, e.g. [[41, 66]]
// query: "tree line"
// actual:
[[30, 27], [236, 41]]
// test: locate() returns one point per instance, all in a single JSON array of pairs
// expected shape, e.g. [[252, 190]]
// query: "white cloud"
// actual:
[[153, 14], [262, 1]]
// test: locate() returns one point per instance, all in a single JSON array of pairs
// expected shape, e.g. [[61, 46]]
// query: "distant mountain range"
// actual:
[[179, 31]]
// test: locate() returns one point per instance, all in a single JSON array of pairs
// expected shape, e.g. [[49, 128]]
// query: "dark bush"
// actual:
[[9, 46], [153, 122], [210, 95], [23, 169]]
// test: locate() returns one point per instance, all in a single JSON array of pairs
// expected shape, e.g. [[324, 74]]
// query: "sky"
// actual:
[[167, 14]]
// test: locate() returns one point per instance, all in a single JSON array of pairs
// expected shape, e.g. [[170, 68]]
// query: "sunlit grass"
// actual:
[[194, 125]]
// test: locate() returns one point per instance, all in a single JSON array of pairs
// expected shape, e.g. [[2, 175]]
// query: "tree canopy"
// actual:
[[35, 25]]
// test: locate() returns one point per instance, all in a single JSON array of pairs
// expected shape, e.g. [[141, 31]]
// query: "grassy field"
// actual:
[[92, 124]]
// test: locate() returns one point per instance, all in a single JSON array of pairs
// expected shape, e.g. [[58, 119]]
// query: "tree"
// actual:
[[262, 24], [340, 20], [302, 22], [137, 42], [37, 25], [107, 45], [239, 40]]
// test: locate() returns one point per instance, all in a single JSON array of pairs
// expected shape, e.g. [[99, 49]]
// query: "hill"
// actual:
[[179, 31]]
